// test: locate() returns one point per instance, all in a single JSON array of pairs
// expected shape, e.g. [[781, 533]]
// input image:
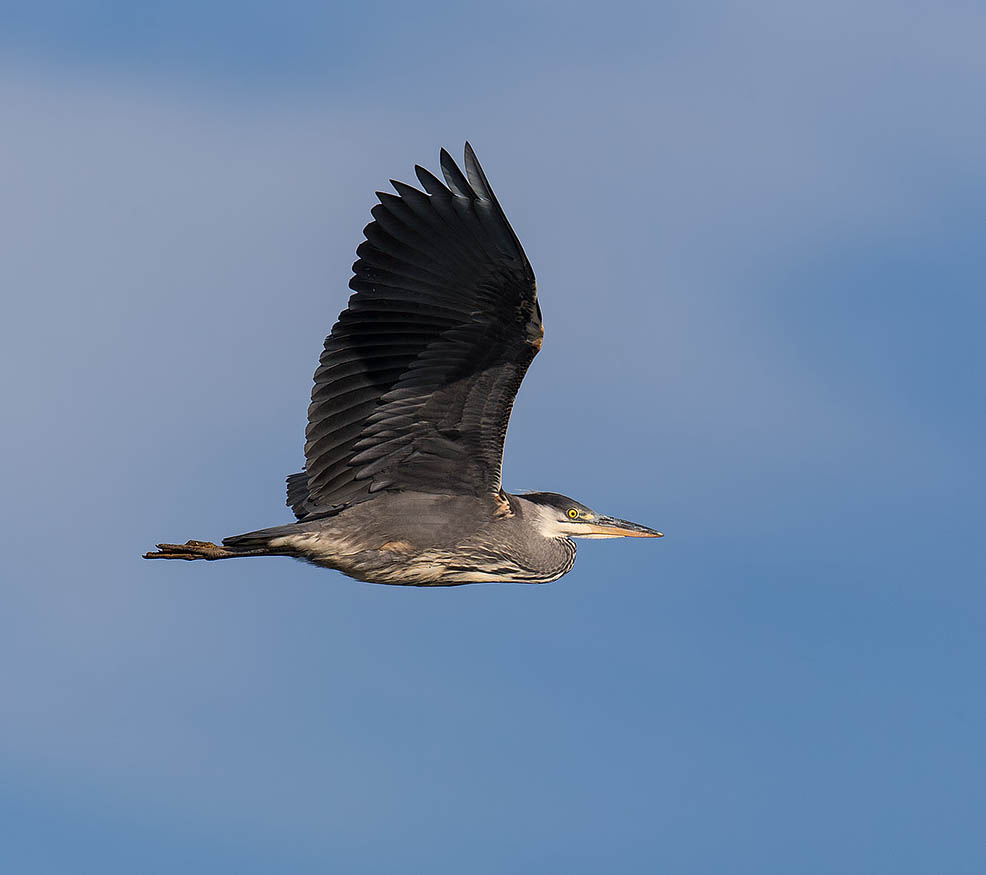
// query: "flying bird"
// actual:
[[412, 396]]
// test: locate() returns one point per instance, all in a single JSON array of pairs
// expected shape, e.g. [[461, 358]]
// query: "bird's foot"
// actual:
[[191, 550]]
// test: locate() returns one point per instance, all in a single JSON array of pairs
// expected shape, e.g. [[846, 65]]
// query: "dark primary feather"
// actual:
[[417, 379]]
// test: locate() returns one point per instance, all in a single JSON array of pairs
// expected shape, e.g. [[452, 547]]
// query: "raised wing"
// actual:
[[417, 379]]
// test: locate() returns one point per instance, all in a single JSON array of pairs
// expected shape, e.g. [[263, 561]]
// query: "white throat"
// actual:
[[548, 524]]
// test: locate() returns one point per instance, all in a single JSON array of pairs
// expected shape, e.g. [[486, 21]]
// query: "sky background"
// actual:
[[766, 218]]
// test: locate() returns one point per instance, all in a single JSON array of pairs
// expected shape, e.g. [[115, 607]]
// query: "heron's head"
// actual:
[[559, 516]]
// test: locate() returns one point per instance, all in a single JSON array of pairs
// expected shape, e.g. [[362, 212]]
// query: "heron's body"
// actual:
[[438, 540], [410, 408]]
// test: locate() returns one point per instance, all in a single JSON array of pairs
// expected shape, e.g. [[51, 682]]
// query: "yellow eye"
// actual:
[[573, 513]]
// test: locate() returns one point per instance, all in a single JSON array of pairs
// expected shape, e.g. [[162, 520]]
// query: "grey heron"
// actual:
[[412, 396]]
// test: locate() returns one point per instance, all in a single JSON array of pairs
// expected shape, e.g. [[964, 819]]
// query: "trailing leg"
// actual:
[[206, 550]]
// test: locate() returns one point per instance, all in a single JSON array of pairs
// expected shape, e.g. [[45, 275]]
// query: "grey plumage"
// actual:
[[412, 397], [424, 539]]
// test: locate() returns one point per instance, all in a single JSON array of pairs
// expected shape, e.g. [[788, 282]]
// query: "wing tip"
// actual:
[[477, 178], [431, 183]]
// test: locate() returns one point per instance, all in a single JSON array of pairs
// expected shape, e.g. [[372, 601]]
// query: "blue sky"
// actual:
[[768, 218]]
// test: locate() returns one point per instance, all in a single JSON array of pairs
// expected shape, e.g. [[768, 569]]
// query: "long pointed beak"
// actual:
[[611, 527]]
